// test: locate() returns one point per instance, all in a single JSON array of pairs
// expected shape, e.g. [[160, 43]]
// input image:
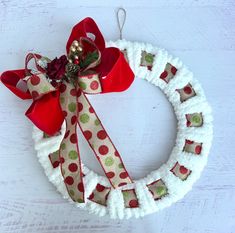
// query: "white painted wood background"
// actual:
[[140, 121]]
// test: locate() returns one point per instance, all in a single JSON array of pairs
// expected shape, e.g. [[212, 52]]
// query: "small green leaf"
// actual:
[[90, 58]]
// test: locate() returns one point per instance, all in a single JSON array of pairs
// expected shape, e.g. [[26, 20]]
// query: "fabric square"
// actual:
[[130, 199], [180, 171], [147, 59], [192, 147], [158, 189], [194, 120], [55, 159], [186, 93], [168, 73], [124, 51], [100, 194]]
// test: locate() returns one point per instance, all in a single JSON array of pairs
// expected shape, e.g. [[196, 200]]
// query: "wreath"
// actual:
[[58, 89]]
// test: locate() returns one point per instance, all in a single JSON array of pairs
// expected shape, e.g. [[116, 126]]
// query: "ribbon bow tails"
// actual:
[[58, 88]]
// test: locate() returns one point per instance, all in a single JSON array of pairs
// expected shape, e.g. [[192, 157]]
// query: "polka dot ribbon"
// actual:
[[77, 110], [65, 100]]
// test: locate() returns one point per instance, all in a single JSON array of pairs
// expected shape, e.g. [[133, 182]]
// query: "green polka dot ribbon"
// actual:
[[78, 110]]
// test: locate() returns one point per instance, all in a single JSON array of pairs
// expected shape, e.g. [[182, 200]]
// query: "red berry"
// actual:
[[76, 61]]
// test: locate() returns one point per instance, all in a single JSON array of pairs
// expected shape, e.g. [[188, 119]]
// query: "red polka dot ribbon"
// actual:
[[59, 96]]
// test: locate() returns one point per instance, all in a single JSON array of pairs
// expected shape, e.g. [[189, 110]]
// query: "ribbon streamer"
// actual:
[[68, 102]]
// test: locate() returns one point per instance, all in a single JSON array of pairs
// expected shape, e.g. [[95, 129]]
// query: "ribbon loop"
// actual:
[[11, 78], [38, 85], [115, 72], [40, 63], [82, 29]]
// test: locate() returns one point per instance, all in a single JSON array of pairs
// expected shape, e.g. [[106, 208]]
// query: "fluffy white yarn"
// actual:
[[176, 187]]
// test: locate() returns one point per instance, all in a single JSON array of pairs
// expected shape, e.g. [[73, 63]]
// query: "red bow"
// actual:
[[108, 72], [114, 72]]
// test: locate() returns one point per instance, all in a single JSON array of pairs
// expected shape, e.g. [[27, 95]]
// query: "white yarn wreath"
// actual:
[[176, 187]]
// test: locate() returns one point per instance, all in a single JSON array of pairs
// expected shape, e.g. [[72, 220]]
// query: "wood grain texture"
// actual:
[[140, 121]]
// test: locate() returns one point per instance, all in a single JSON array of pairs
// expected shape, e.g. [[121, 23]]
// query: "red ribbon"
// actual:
[[114, 72]]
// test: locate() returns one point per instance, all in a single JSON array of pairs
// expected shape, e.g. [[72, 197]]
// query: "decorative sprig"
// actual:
[[68, 68], [89, 58]]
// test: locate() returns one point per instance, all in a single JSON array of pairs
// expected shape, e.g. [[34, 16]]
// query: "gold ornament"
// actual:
[[75, 52]]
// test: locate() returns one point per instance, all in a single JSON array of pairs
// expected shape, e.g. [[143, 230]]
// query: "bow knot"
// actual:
[[77, 69]]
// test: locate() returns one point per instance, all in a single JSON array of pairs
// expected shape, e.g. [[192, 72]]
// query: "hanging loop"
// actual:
[[121, 18]]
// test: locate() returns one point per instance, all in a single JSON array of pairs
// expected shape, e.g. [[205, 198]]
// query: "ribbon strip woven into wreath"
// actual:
[[66, 101]]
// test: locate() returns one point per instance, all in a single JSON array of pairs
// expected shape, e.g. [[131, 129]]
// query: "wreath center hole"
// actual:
[[140, 122]]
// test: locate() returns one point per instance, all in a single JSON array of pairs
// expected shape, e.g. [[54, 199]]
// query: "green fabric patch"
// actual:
[[161, 190], [149, 58], [196, 119]]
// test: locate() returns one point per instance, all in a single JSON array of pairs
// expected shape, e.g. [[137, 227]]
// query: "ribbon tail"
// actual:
[[70, 162], [101, 144]]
